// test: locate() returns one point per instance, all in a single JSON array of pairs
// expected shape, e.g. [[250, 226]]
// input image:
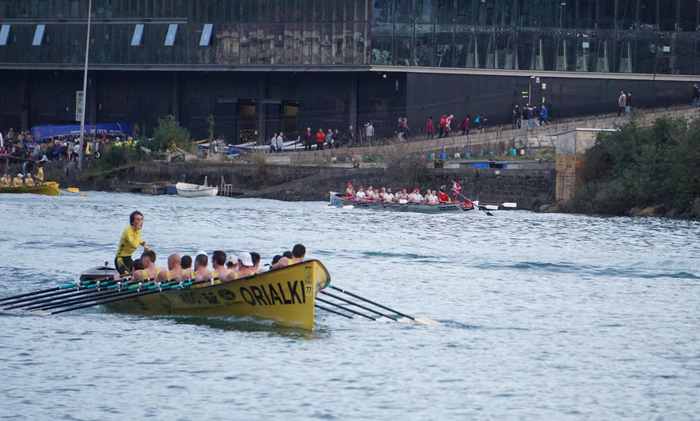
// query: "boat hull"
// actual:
[[339, 201], [285, 295], [49, 189], [195, 190]]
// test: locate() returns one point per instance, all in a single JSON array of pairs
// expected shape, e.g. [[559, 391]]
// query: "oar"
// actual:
[[76, 191], [332, 311], [60, 295], [98, 294], [344, 308], [151, 290], [358, 305], [54, 289], [420, 320]]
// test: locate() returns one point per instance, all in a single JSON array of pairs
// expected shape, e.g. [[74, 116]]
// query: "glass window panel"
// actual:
[[227, 44], [138, 33], [647, 14], [604, 54], [586, 13], [307, 43], [606, 14], [645, 52], [425, 11], [382, 10], [4, 34], [624, 51], [298, 43], [205, 39], [485, 12], [381, 43], [667, 15], [279, 43], [266, 44], [403, 44], [445, 12], [315, 47], [403, 10], [338, 43], [360, 43], [685, 53], [688, 15], [444, 45], [425, 45], [586, 51], [172, 33], [350, 48], [466, 48], [39, 35], [666, 53], [288, 43], [326, 43], [626, 15]]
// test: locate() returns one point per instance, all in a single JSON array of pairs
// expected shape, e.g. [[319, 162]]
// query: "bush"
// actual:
[[641, 166], [167, 134]]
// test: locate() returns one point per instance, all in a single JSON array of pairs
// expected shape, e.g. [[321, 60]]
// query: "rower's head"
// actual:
[[173, 261], [218, 258], [276, 259], [201, 261], [256, 259], [245, 260], [287, 254], [186, 262], [138, 264], [361, 189], [383, 189], [136, 220], [231, 261], [388, 190], [148, 258], [299, 251]]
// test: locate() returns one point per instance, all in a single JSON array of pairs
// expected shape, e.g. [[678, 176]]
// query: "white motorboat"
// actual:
[[196, 190]]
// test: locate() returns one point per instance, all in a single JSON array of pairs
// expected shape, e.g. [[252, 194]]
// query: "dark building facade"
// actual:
[[261, 66]]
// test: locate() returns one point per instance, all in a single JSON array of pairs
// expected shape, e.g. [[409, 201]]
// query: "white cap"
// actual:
[[232, 259], [245, 259], [201, 252]]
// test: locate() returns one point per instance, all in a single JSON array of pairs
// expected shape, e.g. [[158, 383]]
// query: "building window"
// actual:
[[206, 35], [136, 39], [172, 34], [39, 35], [4, 34]]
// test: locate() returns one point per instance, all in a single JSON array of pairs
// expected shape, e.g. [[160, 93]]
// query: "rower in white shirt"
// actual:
[[388, 197], [382, 194], [361, 196], [432, 199], [416, 197]]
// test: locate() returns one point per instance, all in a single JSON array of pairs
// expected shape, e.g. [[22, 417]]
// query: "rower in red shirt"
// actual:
[[443, 197]]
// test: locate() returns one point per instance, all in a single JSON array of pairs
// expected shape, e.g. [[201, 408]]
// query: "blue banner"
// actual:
[[109, 129]]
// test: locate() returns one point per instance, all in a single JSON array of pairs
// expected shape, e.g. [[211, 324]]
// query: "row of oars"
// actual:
[[349, 308], [91, 293]]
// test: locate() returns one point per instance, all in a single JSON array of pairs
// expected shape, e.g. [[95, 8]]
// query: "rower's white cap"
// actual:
[[201, 252], [232, 259], [245, 259]]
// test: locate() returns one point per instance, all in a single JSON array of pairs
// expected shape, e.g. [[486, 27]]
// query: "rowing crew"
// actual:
[[402, 196], [225, 268], [21, 180]]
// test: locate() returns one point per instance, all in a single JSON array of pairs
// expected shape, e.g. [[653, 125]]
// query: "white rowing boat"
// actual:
[[196, 190]]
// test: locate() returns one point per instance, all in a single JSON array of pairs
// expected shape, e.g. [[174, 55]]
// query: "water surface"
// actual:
[[545, 316]]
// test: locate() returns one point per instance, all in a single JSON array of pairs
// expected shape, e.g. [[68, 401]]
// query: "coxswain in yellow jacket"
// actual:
[[40, 174], [130, 241]]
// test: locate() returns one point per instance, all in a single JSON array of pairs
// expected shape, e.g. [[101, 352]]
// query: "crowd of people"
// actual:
[[432, 197], [529, 116], [223, 267]]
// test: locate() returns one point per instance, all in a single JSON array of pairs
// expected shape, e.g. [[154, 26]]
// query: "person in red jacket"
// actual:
[[430, 128], [443, 197], [443, 123], [320, 138]]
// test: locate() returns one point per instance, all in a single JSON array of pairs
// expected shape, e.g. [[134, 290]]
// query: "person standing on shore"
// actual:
[[369, 133], [130, 241], [621, 103], [543, 116], [308, 139], [628, 105], [320, 139], [430, 128], [696, 96]]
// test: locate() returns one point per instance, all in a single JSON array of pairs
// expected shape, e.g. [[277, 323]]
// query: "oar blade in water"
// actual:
[[384, 319], [348, 206], [424, 321], [73, 189], [405, 320]]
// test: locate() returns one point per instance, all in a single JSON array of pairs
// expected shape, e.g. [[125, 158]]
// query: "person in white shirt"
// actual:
[[361, 195], [433, 200], [370, 193], [388, 197], [416, 197]]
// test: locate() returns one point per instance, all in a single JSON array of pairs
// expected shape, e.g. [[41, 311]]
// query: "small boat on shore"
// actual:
[[196, 190], [286, 295], [338, 201], [50, 188]]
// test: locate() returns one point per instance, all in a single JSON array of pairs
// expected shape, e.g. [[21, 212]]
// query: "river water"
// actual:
[[546, 316]]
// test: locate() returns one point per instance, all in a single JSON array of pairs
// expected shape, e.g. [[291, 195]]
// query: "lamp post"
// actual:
[[82, 116]]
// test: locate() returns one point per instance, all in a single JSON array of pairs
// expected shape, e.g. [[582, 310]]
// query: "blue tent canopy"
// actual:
[[53, 130]]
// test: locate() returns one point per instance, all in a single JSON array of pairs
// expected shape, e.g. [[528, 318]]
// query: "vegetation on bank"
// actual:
[[168, 136], [643, 166]]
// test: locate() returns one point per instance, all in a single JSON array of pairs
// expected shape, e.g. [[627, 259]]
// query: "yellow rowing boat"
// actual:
[[50, 188], [286, 295]]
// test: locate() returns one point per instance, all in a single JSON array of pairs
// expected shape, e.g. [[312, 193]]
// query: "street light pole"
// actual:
[[82, 116]]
